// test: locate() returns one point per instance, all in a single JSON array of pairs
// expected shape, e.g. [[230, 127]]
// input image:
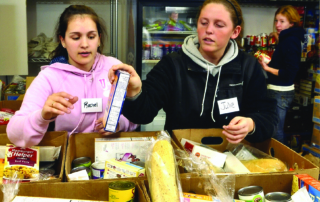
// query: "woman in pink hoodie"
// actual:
[[73, 90]]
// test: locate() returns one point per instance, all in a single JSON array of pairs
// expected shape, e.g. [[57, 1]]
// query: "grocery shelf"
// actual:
[[150, 61], [173, 32]]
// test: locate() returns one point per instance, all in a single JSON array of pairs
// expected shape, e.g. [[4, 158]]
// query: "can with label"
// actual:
[[251, 194], [272, 40], [76, 169], [81, 161], [278, 197], [257, 41], [252, 40], [98, 170], [120, 191], [264, 40]]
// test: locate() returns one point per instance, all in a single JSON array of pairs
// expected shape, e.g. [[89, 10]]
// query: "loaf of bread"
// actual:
[[265, 165], [163, 173]]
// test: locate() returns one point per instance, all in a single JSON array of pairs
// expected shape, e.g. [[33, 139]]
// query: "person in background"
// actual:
[[284, 63], [207, 84], [76, 79]]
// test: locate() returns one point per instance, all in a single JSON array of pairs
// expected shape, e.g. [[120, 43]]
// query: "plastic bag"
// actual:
[[162, 171], [10, 188], [256, 160], [220, 188]]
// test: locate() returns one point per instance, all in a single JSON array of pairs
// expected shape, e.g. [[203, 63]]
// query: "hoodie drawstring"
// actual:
[[83, 114], [215, 94], [96, 95], [205, 91]]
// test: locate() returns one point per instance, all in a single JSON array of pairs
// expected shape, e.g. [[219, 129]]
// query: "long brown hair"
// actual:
[[291, 14], [235, 11], [62, 26]]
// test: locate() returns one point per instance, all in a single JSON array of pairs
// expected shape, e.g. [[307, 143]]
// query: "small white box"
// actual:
[[121, 169], [216, 158], [127, 149], [116, 97]]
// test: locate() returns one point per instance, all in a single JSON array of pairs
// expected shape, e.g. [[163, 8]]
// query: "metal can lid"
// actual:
[[81, 161], [278, 197], [250, 190], [122, 185], [98, 165]]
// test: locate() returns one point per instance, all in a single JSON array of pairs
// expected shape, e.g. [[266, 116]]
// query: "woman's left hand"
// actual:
[[238, 129], [99, 127]]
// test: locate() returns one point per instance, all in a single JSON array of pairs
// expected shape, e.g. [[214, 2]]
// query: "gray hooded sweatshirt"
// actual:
[[191, 48]]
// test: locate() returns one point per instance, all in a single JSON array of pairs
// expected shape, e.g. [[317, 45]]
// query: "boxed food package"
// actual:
[[312, 185], [115, 101], [21, 161], [316, 110], [315, 139], [120, 169], [216, 158], [129, 149]]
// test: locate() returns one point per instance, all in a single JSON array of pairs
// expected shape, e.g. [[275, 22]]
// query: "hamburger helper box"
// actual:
[[216, 140], [115, 101]]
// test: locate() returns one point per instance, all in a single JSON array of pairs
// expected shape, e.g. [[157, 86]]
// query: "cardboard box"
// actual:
[[89, 190], [82, 144], [50, 139], [270, 183], [15, 105], [271, 147]]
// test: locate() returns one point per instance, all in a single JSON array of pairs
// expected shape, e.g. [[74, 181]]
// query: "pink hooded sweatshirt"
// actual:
[[27, 127]]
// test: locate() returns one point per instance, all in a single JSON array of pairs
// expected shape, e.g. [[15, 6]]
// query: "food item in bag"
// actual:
[[265, 165], [163, 173]]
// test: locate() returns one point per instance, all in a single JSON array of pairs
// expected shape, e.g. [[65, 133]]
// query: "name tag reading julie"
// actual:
[[228, 105]]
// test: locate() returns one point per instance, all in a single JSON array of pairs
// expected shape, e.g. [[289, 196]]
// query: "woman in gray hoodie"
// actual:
[[210, 83]]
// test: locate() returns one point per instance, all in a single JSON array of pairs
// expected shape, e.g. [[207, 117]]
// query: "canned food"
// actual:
[[258, 40], [264, 40], [81, 162], [76, 169], [248, 40], [272, 40], [251, 194], [98, 170], [120, 191], [278, 197], [252, 40]]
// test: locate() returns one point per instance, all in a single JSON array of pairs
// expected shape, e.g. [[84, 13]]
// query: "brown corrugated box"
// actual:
[[50, 139], [271, 146], [10, 104], [270, 183], [82, 144], [89, 190]]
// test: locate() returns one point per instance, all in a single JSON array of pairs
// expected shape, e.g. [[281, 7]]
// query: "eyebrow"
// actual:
[[90, 32]]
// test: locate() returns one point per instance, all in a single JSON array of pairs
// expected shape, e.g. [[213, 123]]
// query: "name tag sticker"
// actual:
[[228, 105], [89, 105]]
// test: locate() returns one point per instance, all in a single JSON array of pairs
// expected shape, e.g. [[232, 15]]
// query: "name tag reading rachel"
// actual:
[[228, 105], [89, 105]]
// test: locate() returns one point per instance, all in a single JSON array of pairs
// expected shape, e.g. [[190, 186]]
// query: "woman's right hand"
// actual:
[[135, 84], [58, 104]]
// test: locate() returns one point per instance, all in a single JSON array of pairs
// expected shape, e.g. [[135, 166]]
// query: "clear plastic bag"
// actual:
[[220, 188], [10, 188], [162, 171], [255, 160]]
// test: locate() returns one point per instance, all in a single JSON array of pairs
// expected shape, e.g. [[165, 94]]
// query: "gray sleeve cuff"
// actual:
[[135, 97], [254, 130]]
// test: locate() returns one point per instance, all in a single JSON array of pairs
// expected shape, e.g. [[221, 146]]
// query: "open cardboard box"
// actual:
[[50, 139], [271, 147], [270, 183], [82, 144], [89, 190], [10, 104]]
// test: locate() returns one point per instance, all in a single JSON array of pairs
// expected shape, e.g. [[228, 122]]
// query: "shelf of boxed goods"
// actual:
[[173, 32], [150, 61]]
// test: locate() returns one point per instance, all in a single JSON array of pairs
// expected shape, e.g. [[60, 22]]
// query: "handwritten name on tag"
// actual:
[[90, 105], [228, 105]]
